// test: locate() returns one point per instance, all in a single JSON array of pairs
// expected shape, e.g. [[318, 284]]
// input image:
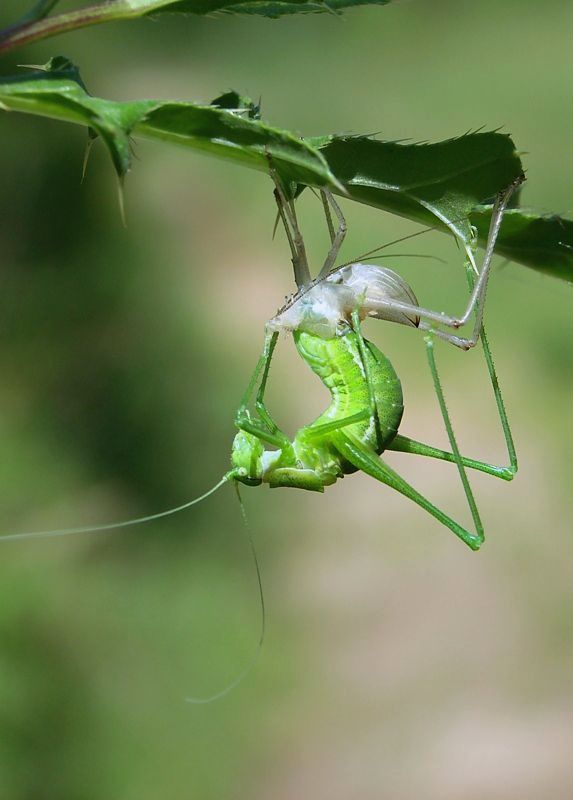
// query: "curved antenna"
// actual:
[[369, 254], [372, 253], [169, 512], [429, 256], [11, 537], [198, 701]]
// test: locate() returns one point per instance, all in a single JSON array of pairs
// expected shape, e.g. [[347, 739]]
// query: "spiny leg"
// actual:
[[336, 242]]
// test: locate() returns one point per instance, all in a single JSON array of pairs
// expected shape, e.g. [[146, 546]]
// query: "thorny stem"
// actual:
[[36, 26]]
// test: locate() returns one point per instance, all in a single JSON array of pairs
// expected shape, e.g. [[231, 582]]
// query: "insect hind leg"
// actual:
[[452, 439], [365, 460]]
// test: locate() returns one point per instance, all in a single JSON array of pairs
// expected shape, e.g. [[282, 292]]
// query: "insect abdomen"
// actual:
[[339, 365], [387, 396]]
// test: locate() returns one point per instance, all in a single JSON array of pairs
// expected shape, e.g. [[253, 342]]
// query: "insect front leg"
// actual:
[[268, 349], [263, 365], [262, 410], [265, 428]]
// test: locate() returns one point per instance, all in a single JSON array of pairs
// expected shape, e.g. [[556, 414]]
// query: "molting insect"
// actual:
[[366, 406], [362, 420]]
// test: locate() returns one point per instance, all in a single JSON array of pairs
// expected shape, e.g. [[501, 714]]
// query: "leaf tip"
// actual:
[[92, 136]]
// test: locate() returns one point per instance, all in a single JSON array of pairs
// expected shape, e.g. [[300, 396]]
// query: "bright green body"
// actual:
[[366, 407], [365, 410], [338, 363], [360, 423]]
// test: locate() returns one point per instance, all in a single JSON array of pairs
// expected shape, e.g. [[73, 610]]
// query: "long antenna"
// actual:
[[372, 253], [12, 537], [251, 663]]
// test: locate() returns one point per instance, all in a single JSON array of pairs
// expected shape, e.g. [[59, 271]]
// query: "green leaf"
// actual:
[[443, 185], [265, 8], [424, 181], [542, 242], [448, 181], [57, 91]]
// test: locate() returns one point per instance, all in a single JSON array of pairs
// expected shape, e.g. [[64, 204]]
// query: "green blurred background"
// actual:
[[397, 663]]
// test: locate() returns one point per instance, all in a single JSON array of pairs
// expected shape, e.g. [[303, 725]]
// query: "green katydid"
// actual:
[[366, 408], [362, 420]]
